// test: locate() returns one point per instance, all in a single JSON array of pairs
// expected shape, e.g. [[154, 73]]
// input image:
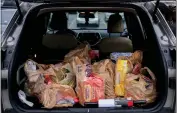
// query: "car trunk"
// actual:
[[29, 44]]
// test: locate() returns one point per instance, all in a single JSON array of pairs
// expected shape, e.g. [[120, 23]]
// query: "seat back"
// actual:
[[60, 42], [115, 44]]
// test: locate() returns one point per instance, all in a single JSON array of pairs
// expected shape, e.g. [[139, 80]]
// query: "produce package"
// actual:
[[141, 87], [105, 69]]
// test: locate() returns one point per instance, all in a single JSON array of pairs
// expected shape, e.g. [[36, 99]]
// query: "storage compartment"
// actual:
[[30, 46]]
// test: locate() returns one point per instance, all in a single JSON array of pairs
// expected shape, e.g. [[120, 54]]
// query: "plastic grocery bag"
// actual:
[[81, 51], [105, 69], [136, 57], [141, 87], [56, 95], [32, 70], [65, 74]]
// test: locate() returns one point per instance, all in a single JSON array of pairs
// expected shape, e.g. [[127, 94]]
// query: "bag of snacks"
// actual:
[[141, 87]]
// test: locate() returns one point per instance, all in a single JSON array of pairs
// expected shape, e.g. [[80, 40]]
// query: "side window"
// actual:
[[125, 31], [49, 30], [8, 9]]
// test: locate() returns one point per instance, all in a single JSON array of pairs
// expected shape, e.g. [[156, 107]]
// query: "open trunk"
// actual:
[[143, 38]]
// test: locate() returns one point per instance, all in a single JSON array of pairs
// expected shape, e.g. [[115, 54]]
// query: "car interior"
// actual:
[[46, 38], [62, 39]]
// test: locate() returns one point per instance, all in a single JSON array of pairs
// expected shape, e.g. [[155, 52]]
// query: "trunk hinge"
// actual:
[[19, 10], [155, 9]]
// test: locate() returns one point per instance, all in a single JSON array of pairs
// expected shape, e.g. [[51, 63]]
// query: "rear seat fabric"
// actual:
[[115, 44], [119, 44], [63, 38], [58, 44], [59, 41]]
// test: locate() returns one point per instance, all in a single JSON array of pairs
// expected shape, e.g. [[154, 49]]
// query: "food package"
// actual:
[[93, 54], [141, 87], [90, 90], [81, 51], [81, 68], [105, 69], [129, 63], [40, 85], [120, 74], [136, 69], [32, 70], [56, 95], [65, 74], [115, 55], [136, 57]]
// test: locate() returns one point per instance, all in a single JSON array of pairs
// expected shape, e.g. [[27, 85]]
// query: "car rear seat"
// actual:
[[119, 44], [63, 40]]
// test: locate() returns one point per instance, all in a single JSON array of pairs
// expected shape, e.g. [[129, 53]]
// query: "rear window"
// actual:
[[82, 15]]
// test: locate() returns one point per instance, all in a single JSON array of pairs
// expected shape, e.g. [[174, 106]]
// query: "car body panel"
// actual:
[[8, 47]]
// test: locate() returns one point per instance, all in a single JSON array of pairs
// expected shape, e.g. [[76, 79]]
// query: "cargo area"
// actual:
[[38, 41]]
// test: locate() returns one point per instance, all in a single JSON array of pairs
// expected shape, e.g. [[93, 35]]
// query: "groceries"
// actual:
[[115, 55], [91, 89], [120, 75], [105, 69], [79, 79], [136, 57], [56, 95], [141, 87]]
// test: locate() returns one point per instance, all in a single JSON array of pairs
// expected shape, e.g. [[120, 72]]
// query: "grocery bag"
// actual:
[[81, 51], [64, 74], [32, 70], [141, 87], [136, 57], [56, 95], [105, 69]]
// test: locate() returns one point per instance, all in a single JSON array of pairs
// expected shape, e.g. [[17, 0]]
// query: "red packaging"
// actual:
[[136, 69], [91, 89], [93, 54]]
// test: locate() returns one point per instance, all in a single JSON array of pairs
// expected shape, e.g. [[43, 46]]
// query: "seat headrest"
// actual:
[[58, 21], [115, 24]]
